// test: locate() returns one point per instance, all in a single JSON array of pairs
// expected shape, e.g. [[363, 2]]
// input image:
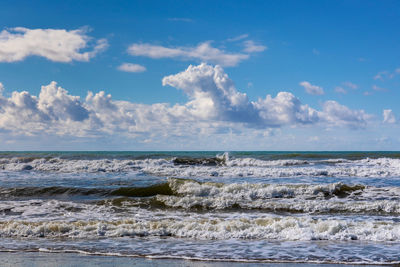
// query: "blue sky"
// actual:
[[331, 69]]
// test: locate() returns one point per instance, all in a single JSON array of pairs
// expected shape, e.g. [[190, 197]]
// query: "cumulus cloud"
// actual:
[[57, 45], [130, 67], [1, 88], [284, 109], [214, 106], [251, 47], [388, 116], [29, 114], [202, 52], [339, 115], [55, 102], [214, 96], [312, 89]]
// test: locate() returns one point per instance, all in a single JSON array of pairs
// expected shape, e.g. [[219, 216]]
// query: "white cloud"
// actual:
[[214, 97], [381, 75], [238, 38], [388, 116], [340, 90], [284, 109], [312, 89], [215, 106], [202, 52], [54, 44], [1, 88], [57, 104], [130, 67], [377, 88], [53, 111], [367, 93], [251, 47], [350, 85], [181, 19], [340, 115], [212, 94], [386, 75]]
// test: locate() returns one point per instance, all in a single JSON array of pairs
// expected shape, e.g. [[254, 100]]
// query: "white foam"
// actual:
[[270, 228], [239, 167], [81, 165], [253, 191], [322, 198]]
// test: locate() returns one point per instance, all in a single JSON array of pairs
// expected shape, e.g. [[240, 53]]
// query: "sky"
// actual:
[[199, 75]]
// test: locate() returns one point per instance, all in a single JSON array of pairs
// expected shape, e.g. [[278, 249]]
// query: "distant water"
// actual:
[[326, 207]]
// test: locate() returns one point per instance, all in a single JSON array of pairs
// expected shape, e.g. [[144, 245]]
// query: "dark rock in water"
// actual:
[[199, 161]]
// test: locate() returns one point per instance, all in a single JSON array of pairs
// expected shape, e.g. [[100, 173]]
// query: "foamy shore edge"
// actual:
[[47, 259]]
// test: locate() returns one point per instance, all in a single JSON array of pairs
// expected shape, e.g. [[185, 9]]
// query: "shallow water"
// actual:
[[324, 207]]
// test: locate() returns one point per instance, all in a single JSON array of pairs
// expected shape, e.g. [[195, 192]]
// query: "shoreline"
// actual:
[[74, 259]]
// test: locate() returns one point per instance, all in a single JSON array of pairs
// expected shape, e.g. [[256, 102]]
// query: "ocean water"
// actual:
[[309, 207]]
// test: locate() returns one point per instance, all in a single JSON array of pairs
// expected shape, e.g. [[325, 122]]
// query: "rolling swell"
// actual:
[[59, 191], [191, 195], [157, 189], [44, 192], [187, 187]]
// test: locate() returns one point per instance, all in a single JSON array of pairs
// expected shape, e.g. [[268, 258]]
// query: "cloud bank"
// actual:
[[53, 44], [214, 105]]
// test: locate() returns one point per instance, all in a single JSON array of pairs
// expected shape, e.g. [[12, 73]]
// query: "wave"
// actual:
[[292, 198], [269, 228], [54, 191], [187, 187], [219, 166], [297, 252], [192, 195]]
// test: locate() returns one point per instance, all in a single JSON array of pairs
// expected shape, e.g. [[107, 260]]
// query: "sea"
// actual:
[[296, 207]]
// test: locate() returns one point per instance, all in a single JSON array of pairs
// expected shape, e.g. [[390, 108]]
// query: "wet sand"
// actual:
[[43, 259]]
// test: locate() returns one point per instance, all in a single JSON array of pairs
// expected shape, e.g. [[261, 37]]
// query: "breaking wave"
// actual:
[[219, 166], [271, 228], [193, 195]]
